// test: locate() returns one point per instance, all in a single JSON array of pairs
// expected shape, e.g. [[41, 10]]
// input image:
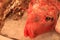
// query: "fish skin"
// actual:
[[56, 3], [38, 21]]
